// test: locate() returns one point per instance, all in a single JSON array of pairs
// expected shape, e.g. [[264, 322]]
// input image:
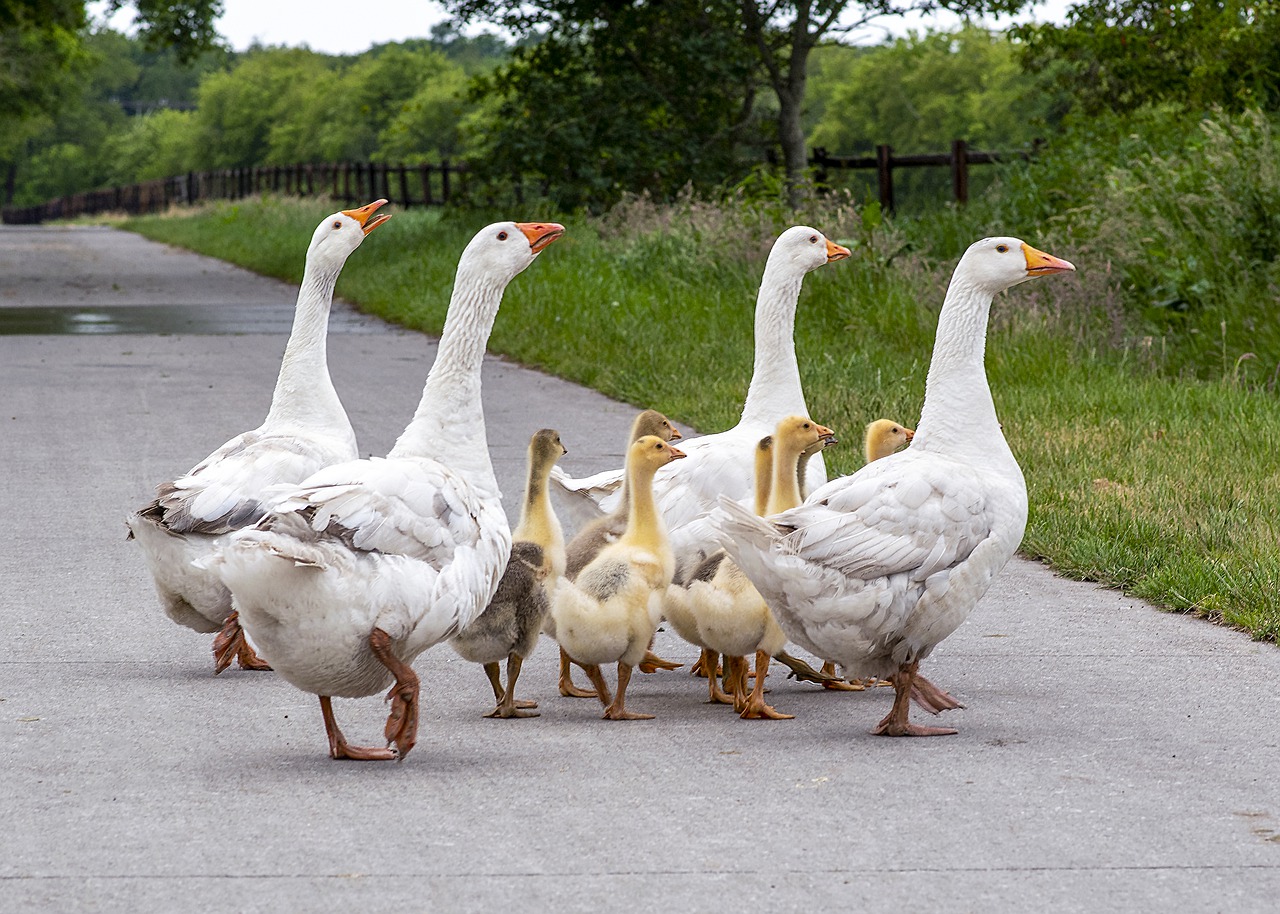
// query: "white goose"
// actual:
[[723, 463], [305, 429], [368, 563], [875, 569]]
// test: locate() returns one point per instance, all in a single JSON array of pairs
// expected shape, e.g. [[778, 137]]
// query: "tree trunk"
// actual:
[[795, 155], [10, 183]]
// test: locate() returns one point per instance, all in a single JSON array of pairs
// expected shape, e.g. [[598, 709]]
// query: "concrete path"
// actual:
[[1110, 757]]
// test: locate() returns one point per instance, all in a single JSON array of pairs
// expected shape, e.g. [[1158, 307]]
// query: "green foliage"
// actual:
[[1120, 55], [643, 99], [187, 28], [40, 57], [890, 94], [244, 114], [156, 145], [1179, 214]]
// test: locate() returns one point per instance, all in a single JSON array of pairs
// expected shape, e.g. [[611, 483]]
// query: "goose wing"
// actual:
[[417, 508], [914, 514], [231, 487]]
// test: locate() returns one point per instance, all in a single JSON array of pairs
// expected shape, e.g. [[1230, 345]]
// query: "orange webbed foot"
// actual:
[[230, 644], [652, 663]]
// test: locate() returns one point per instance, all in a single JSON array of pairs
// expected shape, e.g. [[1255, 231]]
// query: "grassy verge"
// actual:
[[1164, 487]]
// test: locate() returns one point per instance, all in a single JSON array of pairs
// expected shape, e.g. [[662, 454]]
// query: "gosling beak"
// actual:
[[823, 431], [828, 440], [909, 432], [836, 251], [540, 234], [1041, 264], [362, 215], [676, 453], [675, 433]]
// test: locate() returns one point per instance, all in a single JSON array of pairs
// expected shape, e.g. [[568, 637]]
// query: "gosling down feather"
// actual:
[[508, 628]]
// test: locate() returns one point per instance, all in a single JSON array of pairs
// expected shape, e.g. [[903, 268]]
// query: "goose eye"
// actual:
[[337, 223], [502, 236], [1002, 248], [813, 239]]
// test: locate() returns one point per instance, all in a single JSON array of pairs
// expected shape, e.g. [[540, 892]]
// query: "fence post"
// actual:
[[960, 170], [404, 186], [884, 165], [820, 164], [425, 170], [444, 180]]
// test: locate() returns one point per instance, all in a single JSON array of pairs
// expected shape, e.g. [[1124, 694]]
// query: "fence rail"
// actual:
[[884, 162], [405, 185], [424, 184]]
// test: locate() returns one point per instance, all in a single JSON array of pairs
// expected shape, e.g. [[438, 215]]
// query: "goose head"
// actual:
[[545, 448], [884, 436], [341, 233], [799, 433], [650, 452], [805, 249], [503, 249], [996, 264], [652, 422]]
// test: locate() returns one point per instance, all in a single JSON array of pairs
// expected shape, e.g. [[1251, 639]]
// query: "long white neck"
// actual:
[[449, 423], [304, 395], [775, 389], [959, 417]]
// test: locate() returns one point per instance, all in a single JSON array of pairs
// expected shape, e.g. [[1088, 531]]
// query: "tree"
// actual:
[[641, 97], [889, 94], [1120, 55], [780, 34], [43, 60]]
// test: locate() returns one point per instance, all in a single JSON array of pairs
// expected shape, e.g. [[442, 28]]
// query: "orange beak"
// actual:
[[675, 433], [823, 431], [540, 234], [910, 432], [362, 215], [1041, 264], [676, 453], [836, 251]]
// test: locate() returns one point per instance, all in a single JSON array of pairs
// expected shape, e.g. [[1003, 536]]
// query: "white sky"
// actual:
[[341, 27]]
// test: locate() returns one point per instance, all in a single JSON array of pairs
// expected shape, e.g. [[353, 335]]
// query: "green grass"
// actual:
[[1165, 487]]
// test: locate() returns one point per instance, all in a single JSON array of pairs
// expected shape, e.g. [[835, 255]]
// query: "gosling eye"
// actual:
[[806, 425], [502, 236], [1002, 248], [337, 223]]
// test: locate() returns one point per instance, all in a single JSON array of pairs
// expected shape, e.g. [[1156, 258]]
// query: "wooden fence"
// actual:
[[423, 184], [356, 182], [884, 162]]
